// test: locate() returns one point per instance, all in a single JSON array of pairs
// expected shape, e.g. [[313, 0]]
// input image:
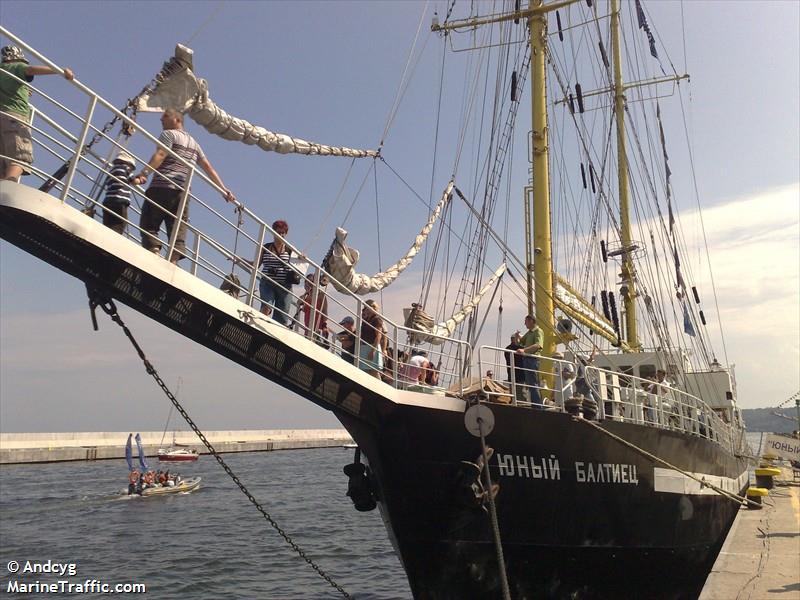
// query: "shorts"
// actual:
[[15, 142], [370, 364]]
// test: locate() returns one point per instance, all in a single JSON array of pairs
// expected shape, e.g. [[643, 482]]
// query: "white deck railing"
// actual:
[[217, 244], [618, 396]]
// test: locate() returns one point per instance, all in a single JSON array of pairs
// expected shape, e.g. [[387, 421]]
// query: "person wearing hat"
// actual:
[[118, 192], [16, 147], [347, 338]]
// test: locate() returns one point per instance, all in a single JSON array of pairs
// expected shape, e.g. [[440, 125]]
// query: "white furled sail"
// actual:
[[433, 334], [179, 88], [342, 259]]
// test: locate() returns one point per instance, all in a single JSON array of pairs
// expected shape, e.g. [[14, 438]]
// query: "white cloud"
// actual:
[[754, 243]]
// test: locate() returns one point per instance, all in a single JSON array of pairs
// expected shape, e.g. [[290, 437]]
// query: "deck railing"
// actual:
[[222, 241], [618, 396]]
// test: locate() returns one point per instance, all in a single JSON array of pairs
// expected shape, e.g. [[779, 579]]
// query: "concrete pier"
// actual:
[[16, 448], [761, 555]]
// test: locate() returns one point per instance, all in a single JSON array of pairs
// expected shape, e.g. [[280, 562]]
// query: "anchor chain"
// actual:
[[107, 305]]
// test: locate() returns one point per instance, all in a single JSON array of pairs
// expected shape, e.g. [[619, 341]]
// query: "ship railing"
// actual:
[[224, 245], [623, 397], [618, 396], [510, 377]]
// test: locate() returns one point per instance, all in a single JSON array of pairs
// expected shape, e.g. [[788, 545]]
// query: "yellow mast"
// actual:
[[540, 287], [628, 272], [542, 242]]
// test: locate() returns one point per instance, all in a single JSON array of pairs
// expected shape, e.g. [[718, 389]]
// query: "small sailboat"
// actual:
[[176, 452]]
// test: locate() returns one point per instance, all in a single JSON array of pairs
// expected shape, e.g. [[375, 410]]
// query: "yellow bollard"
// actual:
[[754, 494]]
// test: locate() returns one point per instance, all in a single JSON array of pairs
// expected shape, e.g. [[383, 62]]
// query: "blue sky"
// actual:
[[329, 71]]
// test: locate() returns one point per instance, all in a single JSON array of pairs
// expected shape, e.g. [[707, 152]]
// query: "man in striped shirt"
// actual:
[[118, 192], [166, 190]]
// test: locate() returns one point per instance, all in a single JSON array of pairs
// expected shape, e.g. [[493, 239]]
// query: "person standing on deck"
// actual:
[[16, 146], [166, 189], [517, 381], [370, 352], [347, 339], [532, 343], [118, 193], [277, 275]]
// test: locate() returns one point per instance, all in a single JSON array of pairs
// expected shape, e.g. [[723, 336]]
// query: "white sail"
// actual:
[[179, 88], [342, 260], [434, 334]]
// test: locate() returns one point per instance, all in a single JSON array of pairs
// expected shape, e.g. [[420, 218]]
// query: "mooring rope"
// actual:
[[108, 306], [498, 543], [701, 481]]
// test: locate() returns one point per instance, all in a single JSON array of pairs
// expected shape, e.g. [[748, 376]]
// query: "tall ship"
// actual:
[[602, 456]]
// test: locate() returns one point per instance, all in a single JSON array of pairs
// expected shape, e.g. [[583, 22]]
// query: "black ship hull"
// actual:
[[568, 529]]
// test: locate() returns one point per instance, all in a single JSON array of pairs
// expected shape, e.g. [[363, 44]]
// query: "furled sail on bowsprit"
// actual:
[[341, 260], [415, 317], [179, 88]]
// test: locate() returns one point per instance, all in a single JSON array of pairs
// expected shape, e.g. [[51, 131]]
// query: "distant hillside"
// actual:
[[763, 419]]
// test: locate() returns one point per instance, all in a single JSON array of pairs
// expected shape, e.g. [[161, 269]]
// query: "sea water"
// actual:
[[64, 518], [70, 522]]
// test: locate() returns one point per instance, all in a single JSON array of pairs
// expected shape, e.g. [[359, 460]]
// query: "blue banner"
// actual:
[[129, 452], [688, 328], [142, 461]]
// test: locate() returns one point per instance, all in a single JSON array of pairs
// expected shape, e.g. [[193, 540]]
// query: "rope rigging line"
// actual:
[[403, 85], [703, 483], [378, 225], [327, 217], [493, 165], [358, 193], [791, 398], [96, 299], [207, 22], [701, 342], [453, 233], [435, 156], [703, 228], [554, 61]]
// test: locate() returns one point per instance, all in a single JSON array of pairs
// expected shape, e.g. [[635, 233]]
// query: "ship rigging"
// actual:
[[649, 433]]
